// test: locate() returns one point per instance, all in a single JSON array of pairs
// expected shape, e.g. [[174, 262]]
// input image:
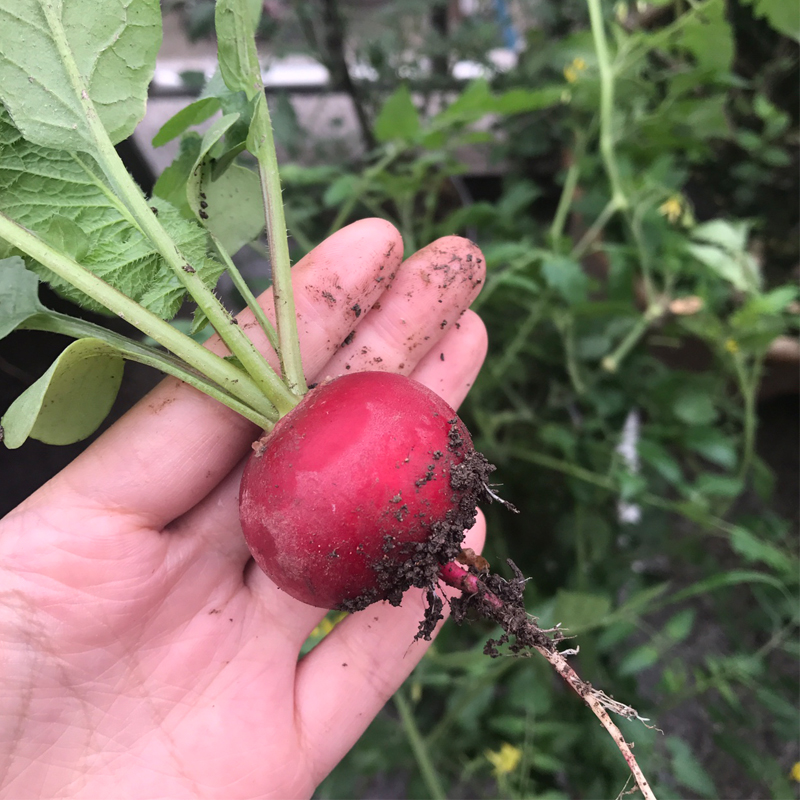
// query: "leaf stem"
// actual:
[[288, 339], [256, 365], [618, 198], [54, 322], [224, 374], [244, 290], [748, 386], [568, 191], [222, 321], [611, 362]]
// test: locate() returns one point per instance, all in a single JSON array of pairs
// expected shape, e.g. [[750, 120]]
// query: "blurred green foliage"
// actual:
[[640, 236]]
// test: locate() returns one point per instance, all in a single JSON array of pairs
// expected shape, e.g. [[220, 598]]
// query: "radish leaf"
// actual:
[[193, 114], [92, 226], [54, 51], [236, 23], [235, 213], [70, 401], [19, 294], [229, 205]]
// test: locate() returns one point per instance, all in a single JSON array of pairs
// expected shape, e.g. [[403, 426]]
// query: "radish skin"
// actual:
[[362, 491]]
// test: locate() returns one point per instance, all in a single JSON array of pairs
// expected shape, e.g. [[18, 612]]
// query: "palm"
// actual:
[[145, 650]]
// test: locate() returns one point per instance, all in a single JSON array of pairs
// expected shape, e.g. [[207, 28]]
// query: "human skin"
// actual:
[[142, 653]]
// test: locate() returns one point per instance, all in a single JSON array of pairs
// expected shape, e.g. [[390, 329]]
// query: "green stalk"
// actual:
[[415, 740], [566, 327], [244, 290], [618, 199], [241, 347], [131, 350], [748, 386], [567, 192], [221, 372], [235, 23], [611, 363], [288, 339], [593, 231]]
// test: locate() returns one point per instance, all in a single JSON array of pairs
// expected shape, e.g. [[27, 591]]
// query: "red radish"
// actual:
[[364, 490], [361, 491]]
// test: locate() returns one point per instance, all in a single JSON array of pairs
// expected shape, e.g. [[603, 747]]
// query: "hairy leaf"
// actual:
[[235, 207], [54, 51], [70, 401], [19, 294], [236, 21], [193, 114], [91, 226]]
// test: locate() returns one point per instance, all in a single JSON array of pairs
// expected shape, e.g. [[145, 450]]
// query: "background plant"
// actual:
[[638, 277]]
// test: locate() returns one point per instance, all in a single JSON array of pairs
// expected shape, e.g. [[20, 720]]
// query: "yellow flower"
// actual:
[[671, 208], [732, 346], [795, 773], [505, 759], [571, 71]]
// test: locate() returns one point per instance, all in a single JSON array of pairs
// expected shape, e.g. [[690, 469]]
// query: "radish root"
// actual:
[[501, 601]]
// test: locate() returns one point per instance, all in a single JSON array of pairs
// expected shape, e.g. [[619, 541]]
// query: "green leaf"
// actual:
[[724, 264], [687, 770], [398, 117], [639, 659], [19, 294], [235, 22], [575, 610], [694, 407], [657, 457], [567, 277], [66, 236], [718, 485], [187, 117], [55, 51], [713, 445], [751, 548], [471, 104], [710, 26], [518, 101], [339, 190], [200, 172], [783, 15], [680, 626], [763, 305], [71, 400], [91, 225], [722, 246], [235, 207], [727, 235], [171, 184]]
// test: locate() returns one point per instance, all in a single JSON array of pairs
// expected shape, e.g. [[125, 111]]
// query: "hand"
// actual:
[[143, 652]]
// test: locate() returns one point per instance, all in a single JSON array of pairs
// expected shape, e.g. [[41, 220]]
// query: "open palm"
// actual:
[[142, 652]]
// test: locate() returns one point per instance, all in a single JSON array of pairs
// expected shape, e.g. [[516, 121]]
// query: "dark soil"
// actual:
[[417, 563]]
